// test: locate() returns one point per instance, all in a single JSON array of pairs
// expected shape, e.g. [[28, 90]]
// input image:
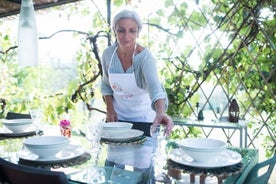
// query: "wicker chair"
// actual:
[[19, 174], [14, 115]]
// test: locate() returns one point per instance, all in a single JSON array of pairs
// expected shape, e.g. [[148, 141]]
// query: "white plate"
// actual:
[[117, 126], [71, 151], [6, 132], [130, 134], [17, 121], [226, 158]]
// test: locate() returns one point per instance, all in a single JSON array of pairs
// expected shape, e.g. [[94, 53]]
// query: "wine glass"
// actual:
[[36, 116], [93, 135]]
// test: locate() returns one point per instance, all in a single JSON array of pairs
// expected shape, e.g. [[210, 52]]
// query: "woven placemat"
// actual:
[[136, 140], [16, 135], [219, 171], [10, 135], [57, 164]]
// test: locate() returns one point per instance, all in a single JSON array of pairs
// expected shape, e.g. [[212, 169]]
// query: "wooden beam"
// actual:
[[12, 7]]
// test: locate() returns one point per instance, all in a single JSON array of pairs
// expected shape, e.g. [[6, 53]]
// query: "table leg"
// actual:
[[175, 173], [220, 179], [202, 178], [192, 178], [241, 138], [245, 137]]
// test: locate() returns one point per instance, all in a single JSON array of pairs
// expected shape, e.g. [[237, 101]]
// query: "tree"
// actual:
[[229, 45]]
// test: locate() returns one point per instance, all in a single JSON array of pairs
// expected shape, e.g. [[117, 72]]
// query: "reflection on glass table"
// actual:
[[231, 166], [128, 161]]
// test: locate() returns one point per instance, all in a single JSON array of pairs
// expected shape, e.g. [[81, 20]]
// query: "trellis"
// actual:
[[228, 71], [221, 64]]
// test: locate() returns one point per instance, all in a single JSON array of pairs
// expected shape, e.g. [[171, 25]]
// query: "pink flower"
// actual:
[[64, 122]]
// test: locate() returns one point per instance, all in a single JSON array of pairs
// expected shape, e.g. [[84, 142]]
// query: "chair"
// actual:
[[143, 126], [11, 173], [261, 172], [15, 115]]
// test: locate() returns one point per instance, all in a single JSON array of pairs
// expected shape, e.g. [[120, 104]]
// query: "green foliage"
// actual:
[[241, 61]]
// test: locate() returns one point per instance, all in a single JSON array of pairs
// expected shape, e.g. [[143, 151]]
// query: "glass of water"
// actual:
[[158, 132]]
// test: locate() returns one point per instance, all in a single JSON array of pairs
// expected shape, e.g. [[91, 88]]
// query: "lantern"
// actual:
[[234, 111], [27, 35]]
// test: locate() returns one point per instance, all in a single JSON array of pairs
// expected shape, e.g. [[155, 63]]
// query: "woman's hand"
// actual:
[[161, 116], [111, 116], [166, 120]]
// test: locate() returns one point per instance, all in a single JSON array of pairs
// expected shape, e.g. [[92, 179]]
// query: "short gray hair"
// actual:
[[127, 14]]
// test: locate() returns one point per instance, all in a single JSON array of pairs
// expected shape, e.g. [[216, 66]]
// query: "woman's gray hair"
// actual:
[[127, 14]]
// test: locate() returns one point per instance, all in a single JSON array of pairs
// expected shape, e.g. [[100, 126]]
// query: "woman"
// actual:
[[130, 84]]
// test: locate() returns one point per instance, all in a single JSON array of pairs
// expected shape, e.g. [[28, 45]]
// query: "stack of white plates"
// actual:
[[46, 146], [17, 125], [120, 131], [116, 128], [202, 149]]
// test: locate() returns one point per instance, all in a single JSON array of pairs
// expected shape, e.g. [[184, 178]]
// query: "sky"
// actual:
[[61, 47], [60, 50]]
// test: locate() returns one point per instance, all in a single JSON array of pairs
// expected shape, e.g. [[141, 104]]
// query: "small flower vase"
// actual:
[[65, 128]]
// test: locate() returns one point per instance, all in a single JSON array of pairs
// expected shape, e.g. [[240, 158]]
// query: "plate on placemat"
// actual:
[[130, 134], [226, 158], [70, 152], [4, 132], [136, 140]]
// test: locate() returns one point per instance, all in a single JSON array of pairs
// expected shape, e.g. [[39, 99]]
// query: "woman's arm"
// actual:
[[148, 79], [111, 114], [106, 90], [161, 116]]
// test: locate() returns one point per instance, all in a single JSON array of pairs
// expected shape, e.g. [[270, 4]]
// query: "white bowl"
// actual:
[[115, 128], [46, 146], [17, 125], [202, 149]]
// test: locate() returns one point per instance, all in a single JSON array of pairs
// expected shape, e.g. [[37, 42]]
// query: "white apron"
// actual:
[[130, 102]]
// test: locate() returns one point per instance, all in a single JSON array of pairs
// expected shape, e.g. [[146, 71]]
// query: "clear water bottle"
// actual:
[[27, 35]]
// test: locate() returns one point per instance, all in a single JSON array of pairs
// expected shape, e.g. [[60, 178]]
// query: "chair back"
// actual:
[[261, 172], [15, 115], [11, 173]]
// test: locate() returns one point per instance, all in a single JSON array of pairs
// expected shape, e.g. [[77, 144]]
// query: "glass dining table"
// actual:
[[124, 161]]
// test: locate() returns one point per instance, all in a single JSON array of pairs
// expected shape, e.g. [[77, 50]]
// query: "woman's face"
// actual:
[[126, 32]]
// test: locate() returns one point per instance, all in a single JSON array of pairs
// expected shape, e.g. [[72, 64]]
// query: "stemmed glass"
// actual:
[[36, 116], [95, 175], [93, 135]]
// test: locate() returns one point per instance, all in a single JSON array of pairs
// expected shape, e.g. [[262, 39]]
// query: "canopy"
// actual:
[[12, 7]]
